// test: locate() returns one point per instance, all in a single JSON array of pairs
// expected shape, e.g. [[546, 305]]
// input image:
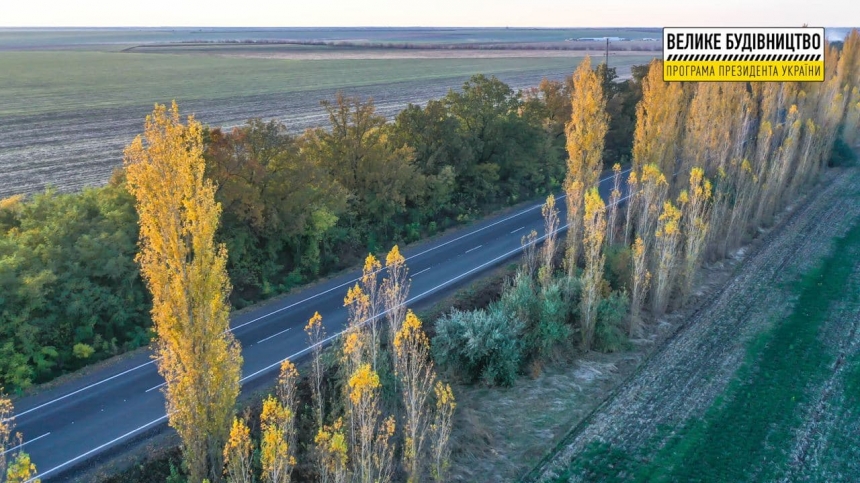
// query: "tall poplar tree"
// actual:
[[659, 117], [185, 271], [586, 134], [593, 234]]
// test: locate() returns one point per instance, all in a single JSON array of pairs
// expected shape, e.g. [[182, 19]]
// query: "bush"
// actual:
[[618, 270], [480, 345], [551, 327], [842, 155], [611, 312], [520, 300]]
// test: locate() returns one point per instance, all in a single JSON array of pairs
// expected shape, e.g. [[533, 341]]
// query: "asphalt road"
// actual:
[[71, 424]]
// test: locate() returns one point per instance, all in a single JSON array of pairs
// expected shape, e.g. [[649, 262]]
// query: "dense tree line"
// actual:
[[70, 292], [712, 164], [293, 208]]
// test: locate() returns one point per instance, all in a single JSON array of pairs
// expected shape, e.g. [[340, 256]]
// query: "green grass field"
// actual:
[[42, 82], [103, 38], [752, 432]]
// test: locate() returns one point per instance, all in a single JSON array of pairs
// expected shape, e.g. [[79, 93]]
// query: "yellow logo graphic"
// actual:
[[743, 54]]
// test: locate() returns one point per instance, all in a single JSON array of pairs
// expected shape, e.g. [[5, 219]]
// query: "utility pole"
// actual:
[[606, 57]]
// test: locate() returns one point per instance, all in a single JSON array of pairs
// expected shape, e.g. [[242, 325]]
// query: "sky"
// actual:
[[428, 13]]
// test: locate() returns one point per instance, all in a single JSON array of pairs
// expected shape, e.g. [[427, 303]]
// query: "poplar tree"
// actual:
[[238, 453], [316, 334], [659, 120], [373, 452], [594, 230], [443, 424], [614, 200], [278, 428], [652, 191], [550, 221], [370, 286], [395, 290], [666, 250], [7, 425], [20, 469], [331, 444], [185, 272], [641, 281], [586, 134], [416, 375], [694, 205]]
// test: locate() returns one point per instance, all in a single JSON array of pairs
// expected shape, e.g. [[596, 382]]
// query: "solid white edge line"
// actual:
[[274, 335], [78, 391], [233, 329], [299, 353], [97, 448], [526, 210], [473, 249], [24, 443]]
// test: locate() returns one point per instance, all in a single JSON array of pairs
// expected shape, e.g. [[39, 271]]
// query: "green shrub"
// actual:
[[611, 313], [82, 351], [480, 345], [552, 327], [842, 155], [618, 270], [520, 300]]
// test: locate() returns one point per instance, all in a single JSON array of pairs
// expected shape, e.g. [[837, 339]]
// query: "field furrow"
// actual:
[[682, 381]]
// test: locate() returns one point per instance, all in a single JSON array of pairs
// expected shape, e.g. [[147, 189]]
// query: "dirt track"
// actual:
[[682, 379]]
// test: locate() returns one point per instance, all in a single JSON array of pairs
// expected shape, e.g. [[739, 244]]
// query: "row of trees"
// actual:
[[712, 163], [383, 412], [299, 206], [185, 270], [293, 208]]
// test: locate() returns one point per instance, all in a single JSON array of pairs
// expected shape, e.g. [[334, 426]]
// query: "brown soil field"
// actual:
[[70, 150]]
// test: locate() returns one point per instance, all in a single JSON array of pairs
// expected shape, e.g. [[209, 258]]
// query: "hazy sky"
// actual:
[[513, 13]]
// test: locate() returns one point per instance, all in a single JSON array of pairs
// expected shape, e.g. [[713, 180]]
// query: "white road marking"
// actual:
[[24, 444], [79, 390], [419, 273], [273, 335], [155, 387], [518, 229], [473, 249], [297, 354], [97, 448]]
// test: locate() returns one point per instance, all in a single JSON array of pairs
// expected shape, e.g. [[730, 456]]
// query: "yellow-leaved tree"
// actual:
[[278, 428], [586, 135], [547, 255], [695, 205], [641, 281], [416, 375], [331, 444], [373, 452], [659, 118], [20, 469], [185, 271], [666, 250], [238, 452], [594, 230]]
